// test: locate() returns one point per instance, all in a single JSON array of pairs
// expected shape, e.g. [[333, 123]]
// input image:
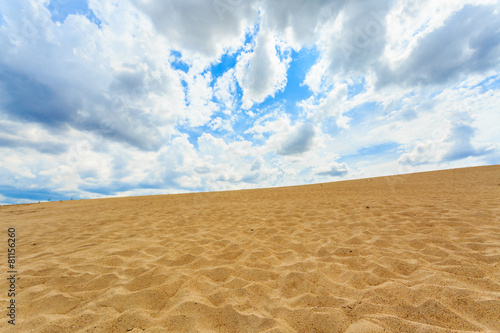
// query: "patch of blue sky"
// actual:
[[194, 133], [431, 95], [185, 90], [329, 126], [422, 28], [60, 9], [384, 148], [365, 112], [305, 172], [492, 159], [242, 124], [177, 63], [283, 54], [490, 83], [295, 91], [227, 61], [356, 89], [117, 187], [102, 190], [238, 96], [176, 54], [239, 127], [12, 194], [2, 20], [252, 33], [285, 99], [379, 152]]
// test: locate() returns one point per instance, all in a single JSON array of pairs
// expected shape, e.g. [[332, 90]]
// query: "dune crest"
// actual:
[[408, 253]]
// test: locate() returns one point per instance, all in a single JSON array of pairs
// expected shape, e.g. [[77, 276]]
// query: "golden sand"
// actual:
[[408, 253]]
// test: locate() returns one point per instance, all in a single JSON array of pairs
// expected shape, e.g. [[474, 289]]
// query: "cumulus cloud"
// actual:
[[298, 141], [423, 153], [199, 99], [232, 164], [225, 90], [72, 79], [334, 170], [419, 49], [262, 72], [467, 43], [202, 28], [457, 144], [334, 104], [359, 39], [26, 99], [149, 96], [460, 138], [298, 21], [48, 147]]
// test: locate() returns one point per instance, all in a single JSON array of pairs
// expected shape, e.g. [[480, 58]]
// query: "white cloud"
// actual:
[[261, 72], [271, 122], [299, 140], [299, 22], [335, 104], [398, 86], [201, 28], [230, 164], [199, 96], [355, 40], [425, 152], [465, 44], [89, 77], [218, 124], [316, 79], [332, 170], [409, 22], [225, 90]]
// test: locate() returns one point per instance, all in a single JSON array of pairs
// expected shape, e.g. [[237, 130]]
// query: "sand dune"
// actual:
[[408, 253]]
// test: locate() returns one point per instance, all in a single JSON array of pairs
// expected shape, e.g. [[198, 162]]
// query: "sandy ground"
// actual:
[[410, 253]]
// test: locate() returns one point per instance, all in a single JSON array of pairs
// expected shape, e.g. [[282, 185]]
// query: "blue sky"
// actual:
[[133, 97]]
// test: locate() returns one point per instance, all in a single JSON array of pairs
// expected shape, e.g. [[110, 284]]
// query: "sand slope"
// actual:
[[410, 253]]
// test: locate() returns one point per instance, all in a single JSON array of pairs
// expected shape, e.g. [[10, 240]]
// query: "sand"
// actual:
[[408, 253]]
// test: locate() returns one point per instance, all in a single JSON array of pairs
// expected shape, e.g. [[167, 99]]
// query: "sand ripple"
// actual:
[[412, 253]]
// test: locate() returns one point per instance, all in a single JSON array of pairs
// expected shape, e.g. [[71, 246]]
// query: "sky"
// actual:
[[105, 98]]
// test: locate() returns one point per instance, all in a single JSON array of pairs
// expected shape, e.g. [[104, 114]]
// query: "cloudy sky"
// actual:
[[104, 98]]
